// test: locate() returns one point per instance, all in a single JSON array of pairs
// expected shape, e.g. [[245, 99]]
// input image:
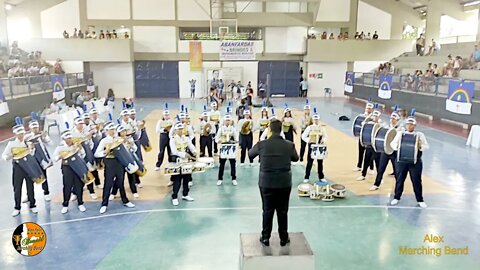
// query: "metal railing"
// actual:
[[20, 86], [437, 86], [457, 39]]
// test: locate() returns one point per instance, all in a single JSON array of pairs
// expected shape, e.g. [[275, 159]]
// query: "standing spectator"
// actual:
[[261, 90], [457, 65], [221, 86], [420, 45], [304, 86], [65, 34], [375, 35], [434, 48], [192, 88], [114, 34], [110, 100], [409, 80], [391, 69], [331, 36], [126, 36], [75, 33], [102, 35], [368, 37], [80, 34]]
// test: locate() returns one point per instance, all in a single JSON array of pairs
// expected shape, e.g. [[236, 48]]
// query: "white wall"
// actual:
[[212, 46], [333, 77], [18, 29], [64, 16], [70, 66], [118, 76], [371, 19], [155, 39], [366, 66], [193, 10], [249, 6], [285, 39], [285, 7], [185, 75], [250, 72], [108, 9], [334, 11], [153, 9]]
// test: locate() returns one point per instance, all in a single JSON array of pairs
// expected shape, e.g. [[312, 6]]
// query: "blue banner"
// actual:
[[90, 85], [349, 81], [58, 87], [385, 86], [459, 99]]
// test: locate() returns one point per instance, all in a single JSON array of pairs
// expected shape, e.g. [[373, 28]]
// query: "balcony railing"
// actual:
[[21, 86], [437, 86]]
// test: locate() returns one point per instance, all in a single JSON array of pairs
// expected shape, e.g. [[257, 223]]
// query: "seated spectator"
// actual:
[[375, 35], [114, 34], [93, 35], [65, 34], [457, 65], [44, 70], [340, 36], [102, 35], [426, 81], [430, 66], [57, 67], [368, 37], [324, 36], [357, 36], [75, 33], [362, 35], [87, 34], [331, 36], [80, 34], [436, 71], [409, 81], [108, 35], [195, 36], [345, 36], [434, 48], [474, 58], [391, 69], [126, 36]]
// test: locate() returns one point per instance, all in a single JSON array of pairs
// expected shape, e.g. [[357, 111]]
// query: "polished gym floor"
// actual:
[[358, 232]]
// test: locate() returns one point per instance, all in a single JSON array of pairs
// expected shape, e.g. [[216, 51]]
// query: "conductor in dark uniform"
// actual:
[[275, 180]]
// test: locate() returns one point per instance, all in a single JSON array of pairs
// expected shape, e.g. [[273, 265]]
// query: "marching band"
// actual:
[[93, 144]]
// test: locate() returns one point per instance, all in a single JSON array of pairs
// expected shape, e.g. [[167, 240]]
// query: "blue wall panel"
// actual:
[[156, 79], [284, 76]]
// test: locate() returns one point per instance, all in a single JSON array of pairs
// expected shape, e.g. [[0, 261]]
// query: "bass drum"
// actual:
[[383, 139], [408, 148], [357, 124], [339, 191], [31, 168], [367, 134], [80, 168], [125, 158], [303, 190], [141, 166]]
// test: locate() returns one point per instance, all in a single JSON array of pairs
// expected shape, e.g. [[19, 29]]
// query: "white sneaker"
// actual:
[[157, 168], [73, 198], [47, 198], [357, 169], [422, 204], [82, 208], [372, 172], [34, 210], [170, 184], [139, 185], [219, 182], [111, 197], [323, 180], [175, 202], [305, 180], [64, 210], [373, 188], [135, 195], [252, 164], [98, 186], [394, 202], [242, 164], [15, 212], [190, 184], [129, 205], [24, 199], [360, 178], [103, 209], [93, 196], [234, 182], [188, 198]]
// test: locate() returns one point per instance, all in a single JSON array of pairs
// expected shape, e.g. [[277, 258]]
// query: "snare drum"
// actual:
[[172, 169], [339, 191], [367, 133], [383, 139], [228, 151], [199, 167], [187, 168], [319, 151], [303, 190], [408, 148], [357, 124], [209, 162]]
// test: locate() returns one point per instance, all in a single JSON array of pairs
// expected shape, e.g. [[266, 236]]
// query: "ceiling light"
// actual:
[[473, 3], [8, 7]]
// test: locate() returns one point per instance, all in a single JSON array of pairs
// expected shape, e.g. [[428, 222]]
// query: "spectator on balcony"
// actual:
[[368, 37], [108, 35], [80, 34], [474, 58], [391, 68], [340, 36], [420, 45], [102, 35], [57, 67], [434, 48], [409, 81], [65, 34], [436, 71], [44, 70], [357, 36], [324, 35], [375, 35], [426, 81], [93, 35], [345, 36], [362, 35], [126, 36], [331, 36], [457, 65], [195, 36], [304, 86], [114, 34], [75, 33], [430, 66], [33, 70]]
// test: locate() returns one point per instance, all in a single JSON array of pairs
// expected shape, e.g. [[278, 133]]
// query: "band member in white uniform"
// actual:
[[71, 182], [314, 134], [267, 133], [215, 116], [361, 150], [306, 121], [36, 136], [207, 131], [132, 147], [370, 154], [227, 134], [80, 131], [288, 125], [93, 128], [245, 127], [179, 144], [136, 138], [263, 122], [18, 174], [384, 158], [163, 129], [404, 168], [114, 171], [190, 129]]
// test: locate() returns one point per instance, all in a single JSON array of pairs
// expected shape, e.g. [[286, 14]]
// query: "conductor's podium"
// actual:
[[296, 255]]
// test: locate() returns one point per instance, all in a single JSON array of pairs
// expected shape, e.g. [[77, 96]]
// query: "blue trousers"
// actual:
[[384, 158], [415, 171]]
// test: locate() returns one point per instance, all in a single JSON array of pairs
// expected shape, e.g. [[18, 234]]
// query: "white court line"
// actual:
[[243, 208]]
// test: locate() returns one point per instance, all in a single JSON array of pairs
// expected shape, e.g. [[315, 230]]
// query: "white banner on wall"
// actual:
[[237, 50]]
